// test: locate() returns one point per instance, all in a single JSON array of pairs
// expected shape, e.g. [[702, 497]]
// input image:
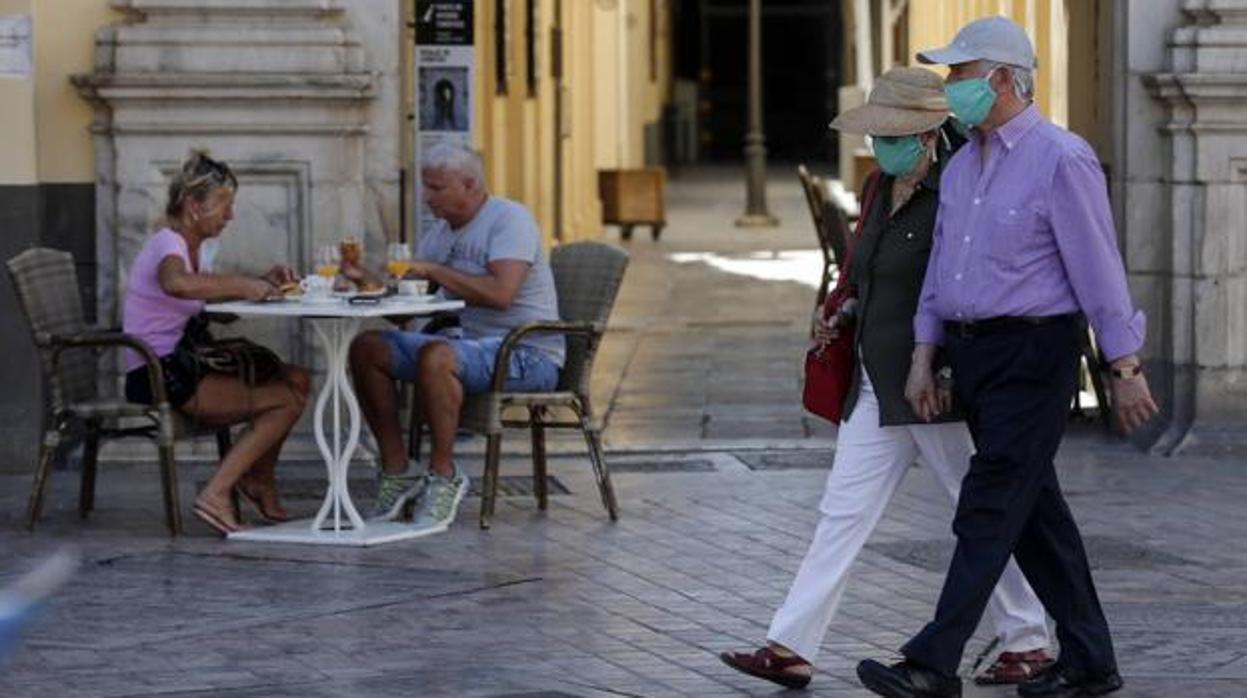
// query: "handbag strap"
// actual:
[[869, 190]]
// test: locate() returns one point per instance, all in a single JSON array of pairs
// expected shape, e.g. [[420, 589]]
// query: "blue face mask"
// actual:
[[898, 155], [971, 100]]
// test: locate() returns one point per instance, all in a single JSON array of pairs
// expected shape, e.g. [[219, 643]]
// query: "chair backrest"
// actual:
[[587, 277], [47, 289], [830, 224], [836, 230], [809, 186]]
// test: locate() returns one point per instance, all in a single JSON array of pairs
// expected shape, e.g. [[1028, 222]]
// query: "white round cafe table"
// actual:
[[336, 322]]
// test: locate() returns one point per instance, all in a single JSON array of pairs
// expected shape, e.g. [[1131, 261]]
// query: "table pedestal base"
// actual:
[[301, 531]]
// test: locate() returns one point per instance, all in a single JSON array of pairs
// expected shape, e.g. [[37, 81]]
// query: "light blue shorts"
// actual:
[[531, 370]]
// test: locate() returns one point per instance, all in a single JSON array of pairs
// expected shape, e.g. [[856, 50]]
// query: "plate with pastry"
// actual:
[[289, 291], [363, 290]]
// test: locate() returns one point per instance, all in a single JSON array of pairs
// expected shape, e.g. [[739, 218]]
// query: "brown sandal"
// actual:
[[1015, 667], [766, 664], [258, 503]]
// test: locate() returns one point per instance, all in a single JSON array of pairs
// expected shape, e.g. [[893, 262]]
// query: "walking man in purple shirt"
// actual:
[[1024, 247]]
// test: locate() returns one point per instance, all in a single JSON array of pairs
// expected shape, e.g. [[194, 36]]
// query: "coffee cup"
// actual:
[[413, 287], [316, 286]]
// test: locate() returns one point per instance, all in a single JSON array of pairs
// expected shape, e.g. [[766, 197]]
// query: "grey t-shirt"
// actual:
[[502, 229]]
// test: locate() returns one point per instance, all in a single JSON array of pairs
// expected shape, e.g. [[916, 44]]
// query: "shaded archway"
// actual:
[[802, 59]]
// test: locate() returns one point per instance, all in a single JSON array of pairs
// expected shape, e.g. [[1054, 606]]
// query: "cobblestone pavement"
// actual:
[[718, 477]]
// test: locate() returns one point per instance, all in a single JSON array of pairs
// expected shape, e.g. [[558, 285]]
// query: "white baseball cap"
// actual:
[[997, 39]]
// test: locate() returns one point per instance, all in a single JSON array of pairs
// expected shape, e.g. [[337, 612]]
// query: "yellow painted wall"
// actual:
[[609, 97], [610, 110], [44, 125], [933, 23], [580, 126], [609, 94], [628, 95], [64, 45], [17, 118]]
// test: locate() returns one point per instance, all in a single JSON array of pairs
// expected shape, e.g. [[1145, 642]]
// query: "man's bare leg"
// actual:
[[442, 395]]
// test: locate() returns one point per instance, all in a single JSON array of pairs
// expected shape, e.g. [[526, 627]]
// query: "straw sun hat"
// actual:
[[904, 101]]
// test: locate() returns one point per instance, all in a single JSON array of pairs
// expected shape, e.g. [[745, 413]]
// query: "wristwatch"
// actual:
[[1127, 372]]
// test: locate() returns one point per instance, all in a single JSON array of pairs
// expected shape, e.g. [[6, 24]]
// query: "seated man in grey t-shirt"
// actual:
[[486, 251]]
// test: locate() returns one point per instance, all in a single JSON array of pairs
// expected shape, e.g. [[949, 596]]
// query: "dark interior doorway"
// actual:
[[801, 62]]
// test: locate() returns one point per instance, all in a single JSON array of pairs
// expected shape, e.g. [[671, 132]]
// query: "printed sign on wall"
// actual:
[[445, 78]]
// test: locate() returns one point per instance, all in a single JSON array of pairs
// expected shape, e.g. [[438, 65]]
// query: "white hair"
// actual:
[[454, 158], [1023, 79]]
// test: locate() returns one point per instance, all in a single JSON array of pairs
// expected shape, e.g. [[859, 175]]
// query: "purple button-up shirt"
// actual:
[[1028, 234]]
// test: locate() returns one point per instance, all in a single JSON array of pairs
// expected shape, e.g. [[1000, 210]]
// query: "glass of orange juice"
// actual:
[[399, 262], [352, 250], [327, 260]]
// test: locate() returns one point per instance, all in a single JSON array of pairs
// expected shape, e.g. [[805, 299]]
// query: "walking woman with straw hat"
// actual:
[[906, 116]]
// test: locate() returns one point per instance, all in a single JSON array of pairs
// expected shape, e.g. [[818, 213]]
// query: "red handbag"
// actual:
[[829, 365]]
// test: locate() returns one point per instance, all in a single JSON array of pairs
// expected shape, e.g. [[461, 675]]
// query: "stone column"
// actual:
[[276, 88], [1198, 250]]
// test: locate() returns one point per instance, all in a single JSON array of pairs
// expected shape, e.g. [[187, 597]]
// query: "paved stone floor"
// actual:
[[718, 476]]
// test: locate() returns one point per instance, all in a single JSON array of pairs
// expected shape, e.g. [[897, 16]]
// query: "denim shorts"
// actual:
[[531, 370]]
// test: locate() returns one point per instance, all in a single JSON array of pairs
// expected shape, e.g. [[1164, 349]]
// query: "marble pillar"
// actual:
[[283, 91], [1190, 247]]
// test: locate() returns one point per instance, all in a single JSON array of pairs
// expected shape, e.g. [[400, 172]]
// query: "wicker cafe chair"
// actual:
[[830, 226], [587, 276], [47, 289]]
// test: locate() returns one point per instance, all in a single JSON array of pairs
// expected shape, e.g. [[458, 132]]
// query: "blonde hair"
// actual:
[[199, 177]]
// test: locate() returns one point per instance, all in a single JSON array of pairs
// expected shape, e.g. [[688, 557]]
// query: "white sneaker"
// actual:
[[440, 502], [394, 492]]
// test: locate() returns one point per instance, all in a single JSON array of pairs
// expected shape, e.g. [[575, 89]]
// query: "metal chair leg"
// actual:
[[593, 438], [1091, 354], [597, 457], [169, 483], [90, 461], [489, 483], [540, 477], [415, 428], [47, 451], [223, 442], [165, 443]]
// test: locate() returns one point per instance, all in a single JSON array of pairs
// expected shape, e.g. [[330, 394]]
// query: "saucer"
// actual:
[[377, 293], [319, 300]]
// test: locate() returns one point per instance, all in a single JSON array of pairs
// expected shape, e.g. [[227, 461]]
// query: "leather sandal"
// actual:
[[218, 518], [1015, 667], [257, 502], [766, 664]]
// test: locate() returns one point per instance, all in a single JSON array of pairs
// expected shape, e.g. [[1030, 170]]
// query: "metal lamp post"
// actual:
[[755, 215]]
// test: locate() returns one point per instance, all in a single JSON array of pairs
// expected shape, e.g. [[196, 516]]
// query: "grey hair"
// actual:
[[1023, 79], [455, 158]]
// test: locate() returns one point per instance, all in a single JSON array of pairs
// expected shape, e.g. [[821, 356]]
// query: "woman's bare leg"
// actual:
[[261, 480], [222, 400]]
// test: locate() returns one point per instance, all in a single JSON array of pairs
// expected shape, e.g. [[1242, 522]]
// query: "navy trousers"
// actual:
[[1016, 387]]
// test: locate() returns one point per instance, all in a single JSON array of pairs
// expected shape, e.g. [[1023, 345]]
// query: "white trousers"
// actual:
[[869, 465]]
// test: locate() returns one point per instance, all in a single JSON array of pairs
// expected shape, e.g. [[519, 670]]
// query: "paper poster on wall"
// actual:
[[445, 79]]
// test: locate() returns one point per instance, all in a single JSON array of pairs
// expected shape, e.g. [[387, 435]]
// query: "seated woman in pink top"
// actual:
[[166, 290]]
